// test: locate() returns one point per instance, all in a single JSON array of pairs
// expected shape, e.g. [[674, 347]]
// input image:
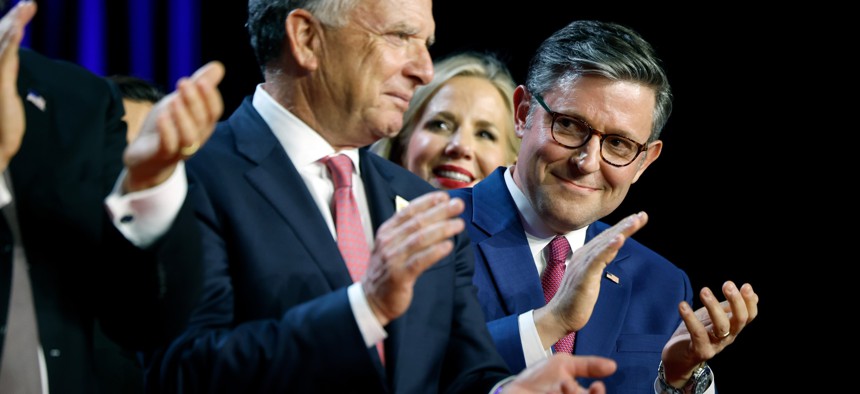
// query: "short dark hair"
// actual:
[[601, 48], [137, 89]]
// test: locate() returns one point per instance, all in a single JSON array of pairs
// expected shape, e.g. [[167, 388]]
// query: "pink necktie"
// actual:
[[350, 233], [551, 279]]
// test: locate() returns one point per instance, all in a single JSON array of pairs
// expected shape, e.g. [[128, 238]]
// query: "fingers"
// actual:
[[409, 242], [12, 26], [558, 373], [743, 305], [175, 128], [751, 301], [196, 109], [418, 235], [716, 315], [11, 32], [602, 249], [591, 366]]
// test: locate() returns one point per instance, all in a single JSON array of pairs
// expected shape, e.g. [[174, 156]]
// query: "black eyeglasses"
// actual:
[[572, 132]]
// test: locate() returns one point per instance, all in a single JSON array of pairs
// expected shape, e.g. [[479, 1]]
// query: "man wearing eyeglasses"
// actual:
[[590, 116]]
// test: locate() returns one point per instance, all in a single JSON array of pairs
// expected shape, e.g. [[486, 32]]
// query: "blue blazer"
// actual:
[[632, 319], [275, 315]]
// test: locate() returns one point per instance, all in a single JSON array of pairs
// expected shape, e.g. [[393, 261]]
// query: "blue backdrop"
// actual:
[[158, 40]]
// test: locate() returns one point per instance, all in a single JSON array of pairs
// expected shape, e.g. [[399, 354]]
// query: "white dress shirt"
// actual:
[[539, 236], [306, 148]]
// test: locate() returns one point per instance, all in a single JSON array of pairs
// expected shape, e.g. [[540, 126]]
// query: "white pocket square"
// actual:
[[400, 203]]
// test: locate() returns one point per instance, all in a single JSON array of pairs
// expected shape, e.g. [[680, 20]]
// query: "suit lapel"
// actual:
[[379, 187], [505, 250], [277, 180], [602, 329]]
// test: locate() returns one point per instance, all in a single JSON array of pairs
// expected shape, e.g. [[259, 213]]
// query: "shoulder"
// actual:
[[402, 181], [59, 72], [645, 259]]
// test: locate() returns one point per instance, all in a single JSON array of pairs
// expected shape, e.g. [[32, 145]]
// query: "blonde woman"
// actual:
[[460, 126]]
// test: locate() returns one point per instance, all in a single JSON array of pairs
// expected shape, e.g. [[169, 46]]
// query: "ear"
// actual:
[[651, 154], [303, 37], [522, 102]]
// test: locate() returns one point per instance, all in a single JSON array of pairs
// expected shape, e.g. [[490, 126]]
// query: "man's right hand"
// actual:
[[407, 244], [11, 107], [573, 303], [558, 374]]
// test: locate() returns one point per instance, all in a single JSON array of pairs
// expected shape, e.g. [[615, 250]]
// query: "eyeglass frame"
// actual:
[[592, 131]]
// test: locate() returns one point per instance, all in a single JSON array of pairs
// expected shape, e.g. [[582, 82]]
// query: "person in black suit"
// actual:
[[106, 281], [280, 311]]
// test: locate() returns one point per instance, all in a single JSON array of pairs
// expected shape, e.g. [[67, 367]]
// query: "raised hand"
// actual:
[[175, 128], [12, 121], [707, 331], [573, 303], [408, 243], [558, 374]]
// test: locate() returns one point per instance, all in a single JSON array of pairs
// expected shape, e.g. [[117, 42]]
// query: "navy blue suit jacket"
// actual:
[[275, 315], [632, 319]]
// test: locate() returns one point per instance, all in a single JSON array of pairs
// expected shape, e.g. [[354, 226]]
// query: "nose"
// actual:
[[587, 157], [421, 67], [459, 147]]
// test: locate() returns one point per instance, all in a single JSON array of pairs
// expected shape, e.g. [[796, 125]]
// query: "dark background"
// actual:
[[729, 198]]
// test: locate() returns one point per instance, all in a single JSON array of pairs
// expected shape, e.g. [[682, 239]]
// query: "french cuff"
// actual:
[[371, 330], [533, 350], [144, 216]]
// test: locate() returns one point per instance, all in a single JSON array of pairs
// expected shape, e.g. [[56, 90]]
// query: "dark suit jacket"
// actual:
[[87, 279], [632, 320], [275, 316]]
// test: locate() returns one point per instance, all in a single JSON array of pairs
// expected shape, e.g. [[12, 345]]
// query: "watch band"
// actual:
[[698, 383]]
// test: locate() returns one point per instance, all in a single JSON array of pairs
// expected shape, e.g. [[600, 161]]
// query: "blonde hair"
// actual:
[[474, 64]]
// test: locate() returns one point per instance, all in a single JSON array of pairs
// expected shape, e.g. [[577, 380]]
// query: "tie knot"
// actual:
[[340, 167], [558, 250]]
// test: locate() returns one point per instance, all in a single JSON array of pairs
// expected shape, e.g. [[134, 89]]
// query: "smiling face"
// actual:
[[369, 69], [571, 188], [461, 136]]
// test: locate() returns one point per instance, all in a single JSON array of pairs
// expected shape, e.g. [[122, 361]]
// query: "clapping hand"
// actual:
[[707, 331], [176, 127], [11, 107]]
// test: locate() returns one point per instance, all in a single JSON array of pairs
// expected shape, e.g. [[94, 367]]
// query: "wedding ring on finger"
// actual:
[[189, 150], [721, 337]]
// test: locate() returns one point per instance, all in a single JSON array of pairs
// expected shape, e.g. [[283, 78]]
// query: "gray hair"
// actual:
[[475, 64], [605, 49], [266, 22]]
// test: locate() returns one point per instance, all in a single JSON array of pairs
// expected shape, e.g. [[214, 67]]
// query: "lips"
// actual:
[[453, 177], [402, 100]]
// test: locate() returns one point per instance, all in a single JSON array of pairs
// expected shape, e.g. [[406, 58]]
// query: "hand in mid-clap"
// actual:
[[573, 303], [11, 106], [558, 374], [708, 330], [408, 243], [176, 127]]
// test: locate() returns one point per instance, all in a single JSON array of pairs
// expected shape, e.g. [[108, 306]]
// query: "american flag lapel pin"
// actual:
[[612, 277], [37, 100]]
